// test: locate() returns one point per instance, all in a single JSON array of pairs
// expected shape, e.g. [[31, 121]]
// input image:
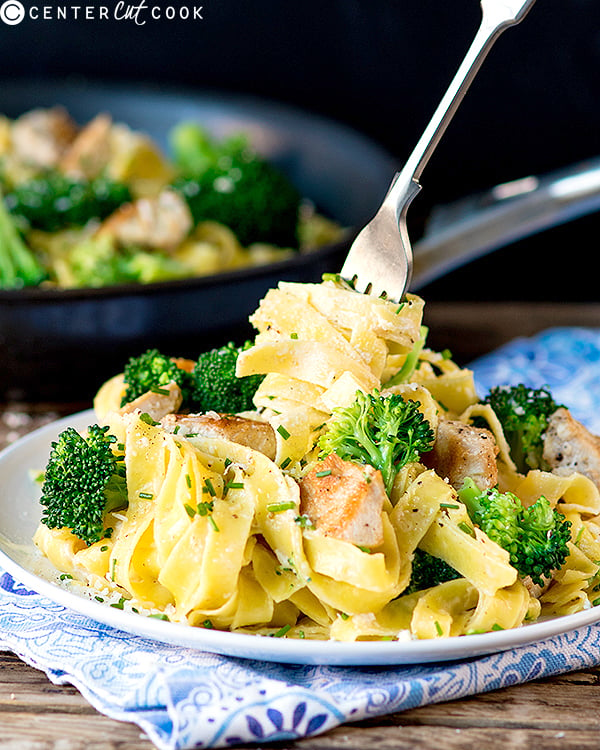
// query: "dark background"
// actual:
[[381, 66]]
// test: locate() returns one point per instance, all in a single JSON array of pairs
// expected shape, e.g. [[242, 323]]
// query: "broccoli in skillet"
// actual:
[[216, 387], [535, 537], [84, 479], [54, 201], [194, 150], [386, 432], [18, 265], [250, 196], [523, 413]]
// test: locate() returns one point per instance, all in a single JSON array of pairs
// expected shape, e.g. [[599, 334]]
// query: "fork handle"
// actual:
[[496, 16]]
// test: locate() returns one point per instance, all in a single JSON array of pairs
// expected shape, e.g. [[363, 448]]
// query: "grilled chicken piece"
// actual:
[[570, 447], [259, 436], [535, 589], [460, 451], [156, 404], [345, 501], [40, 137], [162, 222], [89, 153]]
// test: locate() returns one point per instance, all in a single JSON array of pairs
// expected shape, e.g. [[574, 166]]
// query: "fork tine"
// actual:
[[379, 262]]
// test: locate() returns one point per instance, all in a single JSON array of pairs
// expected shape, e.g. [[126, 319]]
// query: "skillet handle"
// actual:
[[468, 229]]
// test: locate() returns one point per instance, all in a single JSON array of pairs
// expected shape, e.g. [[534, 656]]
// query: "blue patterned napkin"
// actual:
[[183, 698]]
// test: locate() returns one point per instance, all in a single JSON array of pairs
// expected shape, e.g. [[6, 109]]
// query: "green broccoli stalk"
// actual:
[[248, 195], [386, 432], [536, 537], [410, 363], [427, 571], [523, 413], [18, 264], [215, 384], [84, 479], [151, 371]]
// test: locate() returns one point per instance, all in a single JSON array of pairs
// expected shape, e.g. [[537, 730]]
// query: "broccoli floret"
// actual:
[[18, 265], [151, 371], [194, 150], [427, 571], [54, 201], [535, 537], [216, 386], [93, 262], [248, 195], [83, 480], [386, 432], [523, 413]]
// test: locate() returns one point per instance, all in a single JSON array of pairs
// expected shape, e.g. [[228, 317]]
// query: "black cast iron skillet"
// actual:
[[62, 344]]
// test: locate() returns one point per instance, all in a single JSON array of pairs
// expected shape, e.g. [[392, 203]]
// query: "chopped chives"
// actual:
[[146, 495], [453, 506], [159, 617], [304, 522], [293, 336], [280, 507], [209, 487], [282, 631], [283, 432], [189, 510], [285, 463], [147, 419], [235, 485], [188, 480], [104, 548], [438, 628], [465, 527], [324, 473], [120, 604], [213, 523], [160, 391]]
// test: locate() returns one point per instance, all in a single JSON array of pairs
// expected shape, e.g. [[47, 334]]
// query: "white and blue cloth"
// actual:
[[184, 698]]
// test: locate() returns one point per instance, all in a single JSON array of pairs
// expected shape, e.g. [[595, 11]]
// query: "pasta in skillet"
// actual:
[[219, 531]]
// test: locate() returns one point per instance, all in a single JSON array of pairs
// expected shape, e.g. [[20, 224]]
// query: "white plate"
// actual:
[[20, 514]]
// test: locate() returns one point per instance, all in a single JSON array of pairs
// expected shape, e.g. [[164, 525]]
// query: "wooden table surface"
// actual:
[[560, 712]]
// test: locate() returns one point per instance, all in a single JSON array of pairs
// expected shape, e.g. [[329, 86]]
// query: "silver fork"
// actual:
[[380, 259]]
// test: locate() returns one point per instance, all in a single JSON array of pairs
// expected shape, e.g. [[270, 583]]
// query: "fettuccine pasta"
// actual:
[[216, 533]]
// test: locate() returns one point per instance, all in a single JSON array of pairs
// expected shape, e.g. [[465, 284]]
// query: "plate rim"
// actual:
[[278, 650]]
